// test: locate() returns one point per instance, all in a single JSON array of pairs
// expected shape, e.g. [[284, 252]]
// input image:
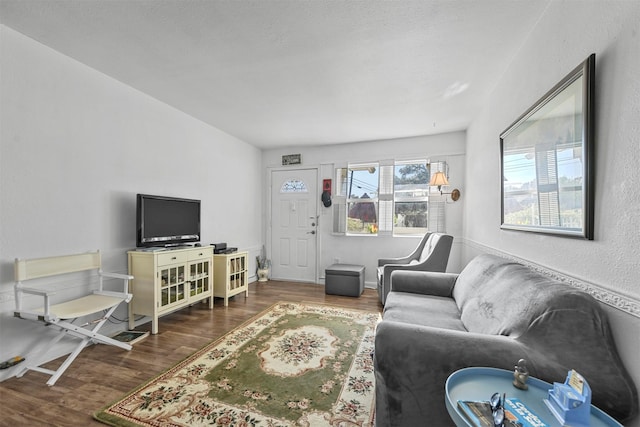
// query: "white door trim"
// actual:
[[269, 211]]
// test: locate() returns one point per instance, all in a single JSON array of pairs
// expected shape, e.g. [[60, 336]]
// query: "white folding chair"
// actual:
[[62, 315]]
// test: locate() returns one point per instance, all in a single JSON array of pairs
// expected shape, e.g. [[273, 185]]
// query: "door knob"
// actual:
[[313, 224], [311, 232]]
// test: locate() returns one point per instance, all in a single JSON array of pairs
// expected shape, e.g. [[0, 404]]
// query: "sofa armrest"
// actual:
[[428, 356], [423, 282]]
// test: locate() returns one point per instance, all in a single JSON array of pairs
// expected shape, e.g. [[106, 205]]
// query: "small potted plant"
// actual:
[[263, 266]]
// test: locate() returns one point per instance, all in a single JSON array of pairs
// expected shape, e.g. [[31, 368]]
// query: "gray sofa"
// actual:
[[491, 314]]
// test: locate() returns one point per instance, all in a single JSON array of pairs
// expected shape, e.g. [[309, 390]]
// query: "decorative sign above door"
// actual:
[[291, 159]]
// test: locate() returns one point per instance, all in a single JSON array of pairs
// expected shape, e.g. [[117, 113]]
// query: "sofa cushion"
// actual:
[[424, 310], [501, 297]]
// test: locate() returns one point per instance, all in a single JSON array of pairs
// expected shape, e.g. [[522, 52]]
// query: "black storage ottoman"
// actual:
[[344, 279]]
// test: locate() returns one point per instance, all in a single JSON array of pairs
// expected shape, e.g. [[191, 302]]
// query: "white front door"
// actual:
[[294, 220]]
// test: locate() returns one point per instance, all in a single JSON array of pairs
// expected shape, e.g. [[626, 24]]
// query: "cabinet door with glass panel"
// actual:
[[199, 279], [231, 275], [172, 285]]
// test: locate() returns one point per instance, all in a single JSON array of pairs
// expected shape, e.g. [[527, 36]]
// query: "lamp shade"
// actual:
[[438, 179]]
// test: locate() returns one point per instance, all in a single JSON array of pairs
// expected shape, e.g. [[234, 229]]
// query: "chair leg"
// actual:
[[93, 335], [86, 336], [35, 365], [89, 335], [81, 345]]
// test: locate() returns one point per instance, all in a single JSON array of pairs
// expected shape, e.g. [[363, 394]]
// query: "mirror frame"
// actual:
[[550, 117]]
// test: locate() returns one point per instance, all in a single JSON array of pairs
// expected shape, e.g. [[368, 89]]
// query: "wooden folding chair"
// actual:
[[62, 315]]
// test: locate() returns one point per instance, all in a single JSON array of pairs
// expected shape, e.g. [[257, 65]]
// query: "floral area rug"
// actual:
[[292, 365]]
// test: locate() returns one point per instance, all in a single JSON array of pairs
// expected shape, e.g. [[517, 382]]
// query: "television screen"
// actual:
[[166, 221]]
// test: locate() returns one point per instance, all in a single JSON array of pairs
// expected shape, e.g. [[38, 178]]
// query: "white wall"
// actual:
[[75, 148], [566, 34], [365, 250]]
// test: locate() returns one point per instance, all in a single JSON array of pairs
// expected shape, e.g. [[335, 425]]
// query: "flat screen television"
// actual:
[[166, 221]]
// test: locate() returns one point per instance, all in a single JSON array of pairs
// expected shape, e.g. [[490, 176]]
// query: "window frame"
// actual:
[[386, 198], [371, 228], [418, 231]]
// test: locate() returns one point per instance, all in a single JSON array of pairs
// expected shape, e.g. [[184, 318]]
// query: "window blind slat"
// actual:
[[339, 216], [437, 220], [386, 182], [385, 220]]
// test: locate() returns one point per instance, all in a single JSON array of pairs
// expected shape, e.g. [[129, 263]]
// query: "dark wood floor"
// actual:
[[102, 374]]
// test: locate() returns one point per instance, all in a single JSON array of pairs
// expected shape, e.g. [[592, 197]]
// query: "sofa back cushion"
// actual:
[[501, 297]]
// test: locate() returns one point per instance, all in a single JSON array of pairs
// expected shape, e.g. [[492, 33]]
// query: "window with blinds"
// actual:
[[387, 197], [411, 197], [363, 182]]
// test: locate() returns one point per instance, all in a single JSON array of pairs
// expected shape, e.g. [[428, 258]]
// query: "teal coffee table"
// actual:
[[481, 383]]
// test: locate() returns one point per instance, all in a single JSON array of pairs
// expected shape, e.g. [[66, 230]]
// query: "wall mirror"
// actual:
[[547, 160]]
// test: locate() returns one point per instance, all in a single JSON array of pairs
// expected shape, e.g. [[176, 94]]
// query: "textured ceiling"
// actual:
[[294, 72]]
